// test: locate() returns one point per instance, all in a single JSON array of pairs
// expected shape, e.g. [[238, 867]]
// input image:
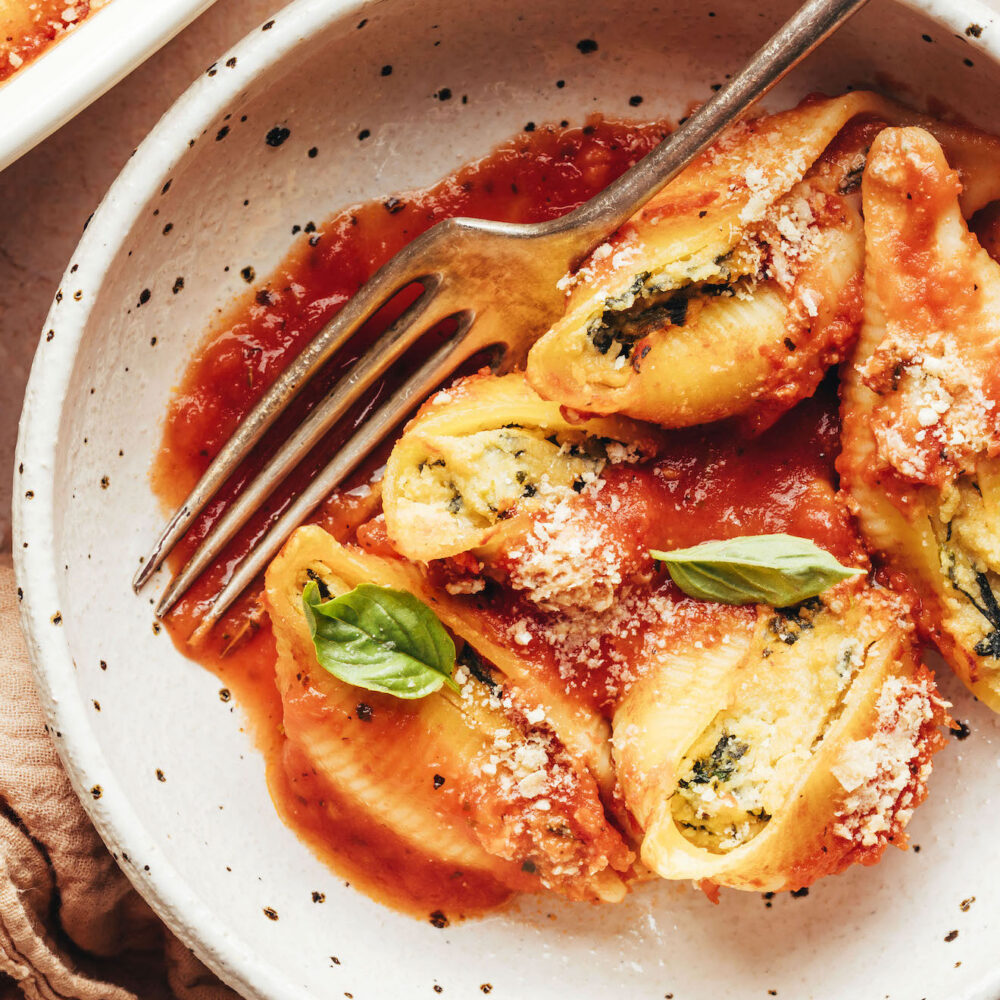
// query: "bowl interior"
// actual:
[[205, 843]]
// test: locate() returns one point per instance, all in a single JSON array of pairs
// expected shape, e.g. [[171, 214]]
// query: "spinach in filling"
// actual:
[[719, 765], [626, 327]]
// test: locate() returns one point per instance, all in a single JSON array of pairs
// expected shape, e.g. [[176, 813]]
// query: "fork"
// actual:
[[497, 281]]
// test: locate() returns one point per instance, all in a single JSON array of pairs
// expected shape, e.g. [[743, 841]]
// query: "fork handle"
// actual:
[[593, 221]]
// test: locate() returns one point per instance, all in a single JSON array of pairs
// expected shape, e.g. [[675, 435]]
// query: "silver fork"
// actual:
[[498, 281]]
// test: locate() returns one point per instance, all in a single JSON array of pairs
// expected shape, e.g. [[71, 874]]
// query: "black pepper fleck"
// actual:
[[144, 296], [364, 711], [950, 936], [267, 26], [974, 30], [178, 285], [248, 274], [587, 45], [635, 100], [96, 792], [439, 920], [319, 897], [387, 70], [222, 133], [438, 781], [966, 903], [231, 61], [444, 94], [225, 694], [160, 776], [271, 913], [313, 153], [363, 134], [799, 893]]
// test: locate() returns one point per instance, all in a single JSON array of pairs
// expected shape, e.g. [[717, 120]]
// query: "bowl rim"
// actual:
[[77, 69], [170, 896]]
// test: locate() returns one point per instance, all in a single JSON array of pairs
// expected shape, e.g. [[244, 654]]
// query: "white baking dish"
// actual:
[[82, 65]]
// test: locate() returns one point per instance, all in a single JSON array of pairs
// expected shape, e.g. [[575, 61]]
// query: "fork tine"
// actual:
[[399, 272], [441, 363], [429, 309]]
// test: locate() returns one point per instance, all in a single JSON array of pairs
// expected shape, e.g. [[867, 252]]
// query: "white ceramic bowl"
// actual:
[[80, 67], [205, 846]]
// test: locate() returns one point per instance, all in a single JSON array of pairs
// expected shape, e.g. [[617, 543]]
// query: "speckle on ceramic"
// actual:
[[314, 78]]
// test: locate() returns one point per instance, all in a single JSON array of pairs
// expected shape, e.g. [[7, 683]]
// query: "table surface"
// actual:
[[49, 194]]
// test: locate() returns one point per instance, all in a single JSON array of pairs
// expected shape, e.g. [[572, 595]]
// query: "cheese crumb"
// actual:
[[876, 771]]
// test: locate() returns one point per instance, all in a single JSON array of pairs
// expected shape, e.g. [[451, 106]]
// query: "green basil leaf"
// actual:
[[779, 570], [380, 639]]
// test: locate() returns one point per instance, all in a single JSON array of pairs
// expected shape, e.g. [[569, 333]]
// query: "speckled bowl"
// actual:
[[207, 195]]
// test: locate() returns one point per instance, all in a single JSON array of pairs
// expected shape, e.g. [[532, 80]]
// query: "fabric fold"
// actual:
[[71, 925]]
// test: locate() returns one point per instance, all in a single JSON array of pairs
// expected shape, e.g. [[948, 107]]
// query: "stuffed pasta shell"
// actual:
[[736, 288], [484, 453], [477, 781], [765, 756], [921, 403]]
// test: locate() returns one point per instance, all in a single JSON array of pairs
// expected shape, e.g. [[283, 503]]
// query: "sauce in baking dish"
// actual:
[[28, 27]]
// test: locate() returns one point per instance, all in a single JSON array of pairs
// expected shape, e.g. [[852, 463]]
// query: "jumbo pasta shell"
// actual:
[[482, 452], [544, 827], [921, 429], [760, 779], [732, 291]]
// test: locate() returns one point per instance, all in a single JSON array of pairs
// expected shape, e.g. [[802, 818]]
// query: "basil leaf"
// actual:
[[779, 570], [380, 639]]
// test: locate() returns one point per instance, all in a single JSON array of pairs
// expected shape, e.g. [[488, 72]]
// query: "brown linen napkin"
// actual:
[[71, 926]]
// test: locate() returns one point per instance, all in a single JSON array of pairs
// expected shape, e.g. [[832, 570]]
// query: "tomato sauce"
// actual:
[[29, 27], [708, 482]]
